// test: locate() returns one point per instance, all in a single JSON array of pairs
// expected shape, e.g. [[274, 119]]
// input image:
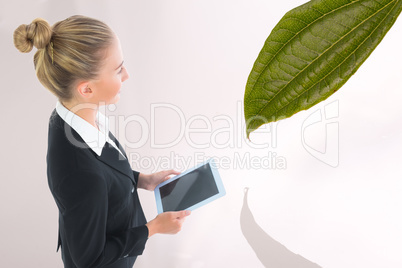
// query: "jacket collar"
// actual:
[[94, 138], [97, 141]]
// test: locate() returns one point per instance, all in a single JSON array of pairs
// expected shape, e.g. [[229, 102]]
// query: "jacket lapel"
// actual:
[[114, 159], [109, 155], [118, 144]]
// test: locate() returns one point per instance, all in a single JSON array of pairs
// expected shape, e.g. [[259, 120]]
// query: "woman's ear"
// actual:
[[84, 90]]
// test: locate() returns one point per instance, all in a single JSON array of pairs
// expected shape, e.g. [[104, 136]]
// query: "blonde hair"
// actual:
[[68, 52]]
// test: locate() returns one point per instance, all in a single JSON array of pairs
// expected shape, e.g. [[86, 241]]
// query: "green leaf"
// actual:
[[312, 51]]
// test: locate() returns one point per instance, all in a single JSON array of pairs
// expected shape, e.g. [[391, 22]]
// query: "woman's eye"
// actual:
[[121, 69]]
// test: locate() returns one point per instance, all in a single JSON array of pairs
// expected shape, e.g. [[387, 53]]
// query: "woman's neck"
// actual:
[[86, 111]]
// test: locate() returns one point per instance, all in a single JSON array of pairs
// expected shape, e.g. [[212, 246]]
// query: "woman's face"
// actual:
[[106, 87]]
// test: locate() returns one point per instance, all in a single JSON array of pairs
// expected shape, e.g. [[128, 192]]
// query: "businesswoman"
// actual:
[[101, 222]]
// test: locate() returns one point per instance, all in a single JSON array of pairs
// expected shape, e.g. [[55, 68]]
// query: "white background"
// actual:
[[196, 56]]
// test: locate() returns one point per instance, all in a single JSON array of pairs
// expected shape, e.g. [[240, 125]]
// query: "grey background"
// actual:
[[196, 56]]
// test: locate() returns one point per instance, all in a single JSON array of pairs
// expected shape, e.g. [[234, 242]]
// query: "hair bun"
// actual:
[[37, 34]]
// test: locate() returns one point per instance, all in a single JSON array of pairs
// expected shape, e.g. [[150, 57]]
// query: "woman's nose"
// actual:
[[125, 75]]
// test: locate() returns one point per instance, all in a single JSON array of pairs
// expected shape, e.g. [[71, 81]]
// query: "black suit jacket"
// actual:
[[101, 222]]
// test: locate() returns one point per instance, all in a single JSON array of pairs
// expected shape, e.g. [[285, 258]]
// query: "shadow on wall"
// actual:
[[269, 251]]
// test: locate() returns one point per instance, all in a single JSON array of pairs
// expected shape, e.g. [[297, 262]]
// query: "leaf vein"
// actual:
[[308, 24], [338, 66], [325, 50]]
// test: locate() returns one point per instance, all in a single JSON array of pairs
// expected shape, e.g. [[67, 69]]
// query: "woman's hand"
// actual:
[[150, 181], [167, 222]]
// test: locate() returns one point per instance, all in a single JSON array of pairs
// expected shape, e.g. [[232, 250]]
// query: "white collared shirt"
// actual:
[[94, 138]]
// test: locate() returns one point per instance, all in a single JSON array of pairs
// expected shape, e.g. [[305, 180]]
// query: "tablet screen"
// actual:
[[189, 189]]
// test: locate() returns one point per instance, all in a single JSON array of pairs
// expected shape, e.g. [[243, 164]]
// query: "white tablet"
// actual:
[[191, 189]]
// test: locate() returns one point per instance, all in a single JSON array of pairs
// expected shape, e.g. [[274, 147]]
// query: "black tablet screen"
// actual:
[[189, 189]]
